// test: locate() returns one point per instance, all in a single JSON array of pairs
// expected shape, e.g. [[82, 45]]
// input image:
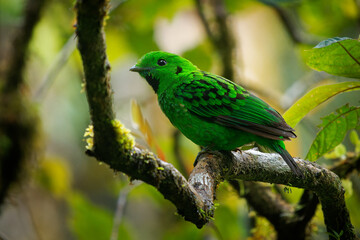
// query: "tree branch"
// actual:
[[193, 198], [347, 166], [136, 163], [289, 19], [18, 119], [283, 216], [221, 35], [21, 41], [255, 166]]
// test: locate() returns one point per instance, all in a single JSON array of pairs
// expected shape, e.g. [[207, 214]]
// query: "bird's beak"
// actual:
[[139, 69]]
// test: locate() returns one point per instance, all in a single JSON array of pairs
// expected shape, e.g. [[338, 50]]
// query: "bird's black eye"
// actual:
[[161, 62]]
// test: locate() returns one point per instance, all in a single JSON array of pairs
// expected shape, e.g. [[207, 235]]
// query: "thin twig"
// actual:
[[221, 35], [289, 18], [225, 40], [216, 230], [200, 9], [120, 208], [31, 214], [3, 236], [57, 65], [61, 60]]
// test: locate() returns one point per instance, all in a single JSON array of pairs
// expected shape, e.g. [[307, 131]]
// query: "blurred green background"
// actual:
[[66, 195]]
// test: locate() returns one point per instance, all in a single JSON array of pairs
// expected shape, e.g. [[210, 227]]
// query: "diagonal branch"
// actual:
[[193, 198]]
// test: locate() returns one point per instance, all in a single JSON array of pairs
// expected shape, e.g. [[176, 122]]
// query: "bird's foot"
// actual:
[[226, 153], [203, 149]]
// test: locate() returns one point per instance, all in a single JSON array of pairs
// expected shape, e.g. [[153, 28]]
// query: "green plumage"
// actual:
[[212, 111]]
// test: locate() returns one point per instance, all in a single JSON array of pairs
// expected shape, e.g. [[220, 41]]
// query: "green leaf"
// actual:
[[314, 98], [333, 130], [337, 56]]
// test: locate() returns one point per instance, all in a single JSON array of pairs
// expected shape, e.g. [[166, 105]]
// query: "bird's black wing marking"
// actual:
[[218, 100]]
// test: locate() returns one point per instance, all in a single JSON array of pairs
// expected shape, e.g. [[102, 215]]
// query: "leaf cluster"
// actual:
[[337, 56]]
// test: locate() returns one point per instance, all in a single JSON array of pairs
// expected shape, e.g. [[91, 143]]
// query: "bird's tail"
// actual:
[[288, 159]]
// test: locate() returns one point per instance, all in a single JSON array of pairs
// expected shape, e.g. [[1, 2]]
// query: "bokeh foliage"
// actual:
[[89, 191]]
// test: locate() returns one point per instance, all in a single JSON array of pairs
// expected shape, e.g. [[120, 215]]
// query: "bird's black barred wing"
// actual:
[[219, 100]]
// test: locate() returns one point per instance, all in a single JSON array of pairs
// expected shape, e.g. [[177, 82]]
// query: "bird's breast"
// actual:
[[172, 108]]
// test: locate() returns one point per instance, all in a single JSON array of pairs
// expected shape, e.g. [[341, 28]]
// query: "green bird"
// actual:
[[211, 110]]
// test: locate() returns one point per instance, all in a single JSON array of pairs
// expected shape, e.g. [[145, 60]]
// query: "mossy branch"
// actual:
[[193, 198], [138, 164]]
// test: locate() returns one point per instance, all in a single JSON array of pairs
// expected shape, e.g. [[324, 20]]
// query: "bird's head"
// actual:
[[162, 69]]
